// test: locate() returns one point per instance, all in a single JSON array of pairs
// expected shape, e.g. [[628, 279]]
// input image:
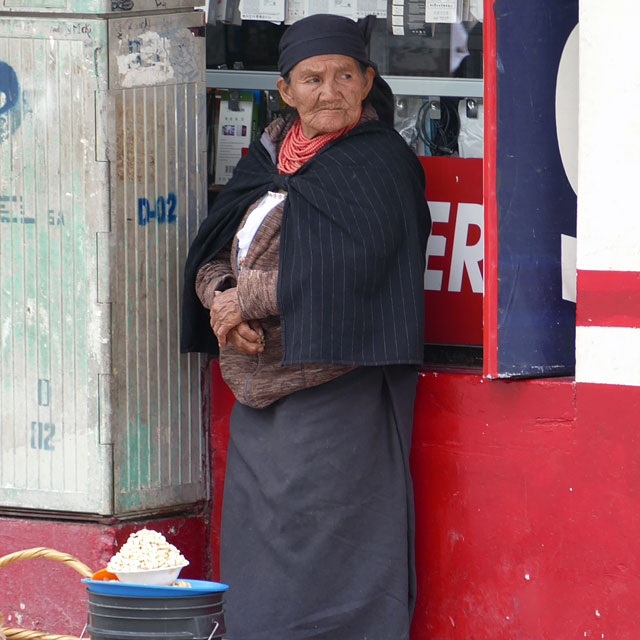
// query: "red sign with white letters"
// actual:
[[453, 279]]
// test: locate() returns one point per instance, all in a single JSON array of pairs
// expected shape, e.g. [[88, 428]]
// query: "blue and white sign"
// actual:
[[536, 204]]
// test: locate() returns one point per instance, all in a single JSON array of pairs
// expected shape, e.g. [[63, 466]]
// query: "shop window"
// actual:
[[487, 143]]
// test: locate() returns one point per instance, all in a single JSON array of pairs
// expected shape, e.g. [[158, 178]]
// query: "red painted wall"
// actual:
[[490, 462], [527, 507], [45, 594], [221, 402]]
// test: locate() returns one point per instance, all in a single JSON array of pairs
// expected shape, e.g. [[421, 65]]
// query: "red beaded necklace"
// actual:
[[296, 148]]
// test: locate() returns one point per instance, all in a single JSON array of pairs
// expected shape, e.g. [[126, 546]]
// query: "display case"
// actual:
[[435, 73], [479, 101]]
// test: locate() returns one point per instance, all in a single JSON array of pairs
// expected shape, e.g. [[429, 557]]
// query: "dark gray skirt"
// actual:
[[317, 517]]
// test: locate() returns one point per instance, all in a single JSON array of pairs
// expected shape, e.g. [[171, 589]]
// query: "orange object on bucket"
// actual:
[[103, 574]]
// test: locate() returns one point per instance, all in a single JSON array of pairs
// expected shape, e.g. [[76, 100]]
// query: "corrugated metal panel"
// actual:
[[158, 157], [52, 204], [89, 279]]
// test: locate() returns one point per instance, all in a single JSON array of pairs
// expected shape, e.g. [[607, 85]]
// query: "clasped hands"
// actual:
[[229, 326]]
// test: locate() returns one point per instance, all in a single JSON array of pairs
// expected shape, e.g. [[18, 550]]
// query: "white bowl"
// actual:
[[158, 577]]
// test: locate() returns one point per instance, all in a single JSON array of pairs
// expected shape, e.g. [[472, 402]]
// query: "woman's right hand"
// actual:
[[229, 327], [247, 337]]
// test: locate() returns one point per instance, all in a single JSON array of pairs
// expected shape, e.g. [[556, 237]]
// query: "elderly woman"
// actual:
[[308, 276]]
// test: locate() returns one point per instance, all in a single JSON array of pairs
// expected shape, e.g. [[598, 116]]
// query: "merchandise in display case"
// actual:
[[436, 73]]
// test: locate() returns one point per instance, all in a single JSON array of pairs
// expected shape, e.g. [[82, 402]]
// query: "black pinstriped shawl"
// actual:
[[352, 250]]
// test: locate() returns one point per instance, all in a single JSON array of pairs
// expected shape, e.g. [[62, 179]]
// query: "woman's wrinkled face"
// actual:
[[327, 92]]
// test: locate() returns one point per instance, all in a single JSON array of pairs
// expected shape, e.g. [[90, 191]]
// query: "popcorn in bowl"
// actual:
[[147, 558]]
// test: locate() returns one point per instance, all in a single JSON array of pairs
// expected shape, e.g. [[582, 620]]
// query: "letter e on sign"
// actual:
[[436, 245]]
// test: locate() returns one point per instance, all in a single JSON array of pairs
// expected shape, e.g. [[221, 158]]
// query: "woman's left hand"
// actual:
[[225, 314], [247, 337]]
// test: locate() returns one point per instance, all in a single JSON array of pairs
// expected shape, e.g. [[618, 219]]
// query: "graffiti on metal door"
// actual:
[[10, 114]]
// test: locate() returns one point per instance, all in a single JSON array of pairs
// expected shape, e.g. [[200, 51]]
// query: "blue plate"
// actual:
[[198, 588]]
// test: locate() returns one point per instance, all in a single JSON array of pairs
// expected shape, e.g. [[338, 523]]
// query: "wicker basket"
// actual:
[[50, 554]]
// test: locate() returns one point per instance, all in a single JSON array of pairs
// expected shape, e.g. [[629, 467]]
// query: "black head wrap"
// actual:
[[323, 34]]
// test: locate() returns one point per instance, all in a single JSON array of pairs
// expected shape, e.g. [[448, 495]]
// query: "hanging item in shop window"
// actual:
[[407, 17], [354, 9], [443, 11], [268, 10], [225, 11], [476, 10], [294, 11], [364, 8], [236, 128]]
